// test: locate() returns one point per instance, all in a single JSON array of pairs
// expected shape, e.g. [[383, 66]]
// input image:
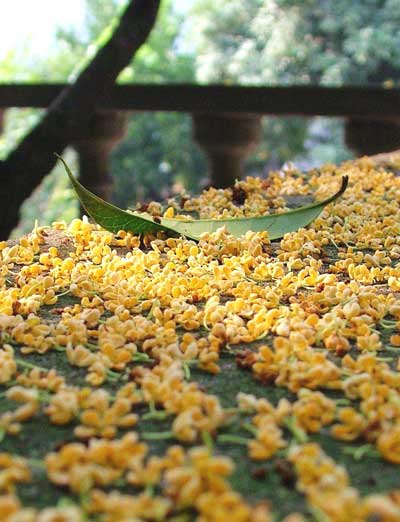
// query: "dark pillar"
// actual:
[[94, 142], [369, 137], [2, 118], [227, 139]]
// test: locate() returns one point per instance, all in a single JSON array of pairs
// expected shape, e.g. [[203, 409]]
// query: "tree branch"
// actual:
[[33, 158]]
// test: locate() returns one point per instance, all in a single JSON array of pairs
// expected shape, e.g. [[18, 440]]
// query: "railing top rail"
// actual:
[[369, 102]]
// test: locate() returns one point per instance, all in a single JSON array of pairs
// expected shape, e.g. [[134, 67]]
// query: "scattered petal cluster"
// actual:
[[124, 357]]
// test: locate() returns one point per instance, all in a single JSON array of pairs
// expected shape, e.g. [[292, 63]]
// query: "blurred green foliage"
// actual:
[[332, 42], [157, 157], [251, 42]]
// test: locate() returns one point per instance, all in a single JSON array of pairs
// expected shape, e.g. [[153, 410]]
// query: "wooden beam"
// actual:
[[368, 102]]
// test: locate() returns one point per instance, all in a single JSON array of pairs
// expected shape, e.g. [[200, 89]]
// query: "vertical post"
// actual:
[[94, 143], [227, 139], [2, 118], [370, 137]]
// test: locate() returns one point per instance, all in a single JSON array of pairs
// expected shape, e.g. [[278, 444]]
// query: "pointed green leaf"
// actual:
[[277, 225], [113, 218]]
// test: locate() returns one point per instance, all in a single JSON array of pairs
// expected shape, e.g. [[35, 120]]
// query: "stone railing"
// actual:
[[226, 119]]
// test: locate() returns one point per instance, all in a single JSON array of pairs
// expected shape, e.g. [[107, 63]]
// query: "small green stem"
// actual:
[[36, 463], [318, 514], [342, 402], [388, 326], [113, 376], [156, 303], [63, 293], [207, 440], [392, 349], [84, 498], [142, 357], [26, 364], [155, 414], [250, 428], [233, 439], [6, 338], [191, 362], [8, 384], [186, 370], [161, 435], [334, 243], [299, 434], [65, 502], [149, 490], [120, 482], [283, 453], [44, 396], [367, 450]]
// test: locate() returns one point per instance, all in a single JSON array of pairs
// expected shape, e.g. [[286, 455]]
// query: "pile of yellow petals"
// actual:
[[316, 313]]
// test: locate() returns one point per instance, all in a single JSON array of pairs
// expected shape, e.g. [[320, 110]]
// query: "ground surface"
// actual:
[[159, 379]]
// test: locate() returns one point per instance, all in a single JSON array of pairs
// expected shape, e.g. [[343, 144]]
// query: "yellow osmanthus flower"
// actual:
[[328, 490], [37, 378], [64, 405], [294, 365], [313, 410], [352, 424], [214, 507], [388, 443], [381, 507], [10, 420], [100, 418], [116, 507], [100, 464], [13, 470], [269, 438], [138, 318], [9, 507], [201, 473], [8, 366]]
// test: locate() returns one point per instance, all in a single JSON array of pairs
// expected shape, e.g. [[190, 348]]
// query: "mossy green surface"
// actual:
[[273, 480], [256, 481]]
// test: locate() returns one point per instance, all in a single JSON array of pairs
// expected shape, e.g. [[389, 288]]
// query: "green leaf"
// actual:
[[111, 217], [114, 219]]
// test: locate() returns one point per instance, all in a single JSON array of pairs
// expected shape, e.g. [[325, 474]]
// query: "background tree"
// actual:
[[286, 42]]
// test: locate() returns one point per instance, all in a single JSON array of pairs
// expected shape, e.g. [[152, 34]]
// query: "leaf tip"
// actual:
[[59, 157]]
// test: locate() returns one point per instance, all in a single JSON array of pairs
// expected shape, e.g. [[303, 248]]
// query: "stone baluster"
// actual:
[[370, 137], [94, 143], [227, 139]]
